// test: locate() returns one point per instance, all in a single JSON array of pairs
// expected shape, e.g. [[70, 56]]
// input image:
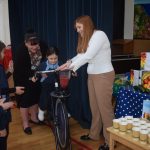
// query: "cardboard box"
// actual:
[[141, 46], [145, 60], [145, 79]]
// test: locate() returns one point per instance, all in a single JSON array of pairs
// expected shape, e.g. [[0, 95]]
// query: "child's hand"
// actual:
[[11, 66], [34, 79], [8, 105], [2, 101], [3, 133]]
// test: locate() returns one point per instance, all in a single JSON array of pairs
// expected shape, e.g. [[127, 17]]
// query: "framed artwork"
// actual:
[[141, 21]]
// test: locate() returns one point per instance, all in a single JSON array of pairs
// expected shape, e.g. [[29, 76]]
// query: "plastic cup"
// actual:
[[143, 135], [116, 123], [136, 124], [129, 125], [136, 132], [122, 119], [142, 122], [148, 125], [143, 127], [148, 138], [129, 117], [123, 126], [136, 119]]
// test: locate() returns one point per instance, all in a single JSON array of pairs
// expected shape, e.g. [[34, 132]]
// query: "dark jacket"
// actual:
[[23, 74], [22, 64], [5, 116]]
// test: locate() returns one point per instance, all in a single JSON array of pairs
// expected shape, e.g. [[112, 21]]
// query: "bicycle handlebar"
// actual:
[[47, 71], [52, 71]]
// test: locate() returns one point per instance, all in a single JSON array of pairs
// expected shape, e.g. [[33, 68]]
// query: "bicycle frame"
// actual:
[[59, 116], [60, 121]]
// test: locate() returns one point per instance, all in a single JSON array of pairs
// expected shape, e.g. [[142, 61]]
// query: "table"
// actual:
[[129, 102], [125, 139]]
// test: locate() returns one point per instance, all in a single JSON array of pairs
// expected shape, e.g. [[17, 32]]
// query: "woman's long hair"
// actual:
[[88, 29]]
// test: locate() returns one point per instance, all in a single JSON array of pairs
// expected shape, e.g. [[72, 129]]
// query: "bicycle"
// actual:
[[58, 115]]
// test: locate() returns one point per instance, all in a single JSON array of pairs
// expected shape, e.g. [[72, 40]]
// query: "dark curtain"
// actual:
[[53, 20], [118, 19]]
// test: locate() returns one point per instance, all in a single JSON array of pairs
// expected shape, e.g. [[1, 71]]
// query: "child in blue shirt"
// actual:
[[5, 104], [47, 80]]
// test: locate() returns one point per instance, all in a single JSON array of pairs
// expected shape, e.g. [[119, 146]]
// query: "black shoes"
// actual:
[[104, 147], [28, 131], [85, 137]]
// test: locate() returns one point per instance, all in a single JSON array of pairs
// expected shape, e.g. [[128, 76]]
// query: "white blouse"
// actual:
[[98, 55]]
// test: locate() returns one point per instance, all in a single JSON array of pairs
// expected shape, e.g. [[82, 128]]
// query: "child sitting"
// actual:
[[47, 80]]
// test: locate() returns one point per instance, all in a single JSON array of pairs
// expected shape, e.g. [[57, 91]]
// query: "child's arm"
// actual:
[[18, 90], [3, 133], [10, 69], [6, 105]]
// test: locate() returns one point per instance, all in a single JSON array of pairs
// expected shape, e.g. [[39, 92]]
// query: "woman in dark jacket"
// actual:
[[27, 59]]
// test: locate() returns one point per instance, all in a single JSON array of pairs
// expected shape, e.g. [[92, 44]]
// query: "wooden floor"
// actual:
[[42, 137]]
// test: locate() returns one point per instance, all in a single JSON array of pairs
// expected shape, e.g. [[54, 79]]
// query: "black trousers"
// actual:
[[3, 140], [45, 98], [3, 143]]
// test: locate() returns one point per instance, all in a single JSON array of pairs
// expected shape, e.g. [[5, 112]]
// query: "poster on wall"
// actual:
[[141, 20]]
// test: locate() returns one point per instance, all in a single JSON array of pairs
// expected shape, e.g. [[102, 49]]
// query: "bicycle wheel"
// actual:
[[62, 127]]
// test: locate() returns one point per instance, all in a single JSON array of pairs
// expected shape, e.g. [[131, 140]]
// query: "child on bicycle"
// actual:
[[47, 79]]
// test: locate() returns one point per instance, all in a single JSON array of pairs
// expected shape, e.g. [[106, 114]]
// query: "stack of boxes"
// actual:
[[142, 77]]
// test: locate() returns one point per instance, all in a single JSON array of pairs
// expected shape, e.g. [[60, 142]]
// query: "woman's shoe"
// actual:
[[28, 130], [85, 137], [104, 147]]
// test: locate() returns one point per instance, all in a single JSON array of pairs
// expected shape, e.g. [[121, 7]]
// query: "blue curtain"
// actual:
[[53, 20]]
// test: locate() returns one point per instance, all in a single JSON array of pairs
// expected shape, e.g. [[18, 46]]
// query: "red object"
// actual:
[[64, 82], [7, 57]]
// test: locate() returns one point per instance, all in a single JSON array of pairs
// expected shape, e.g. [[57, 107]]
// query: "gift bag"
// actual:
[[135, 77], [146, 109], [145, 79]]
